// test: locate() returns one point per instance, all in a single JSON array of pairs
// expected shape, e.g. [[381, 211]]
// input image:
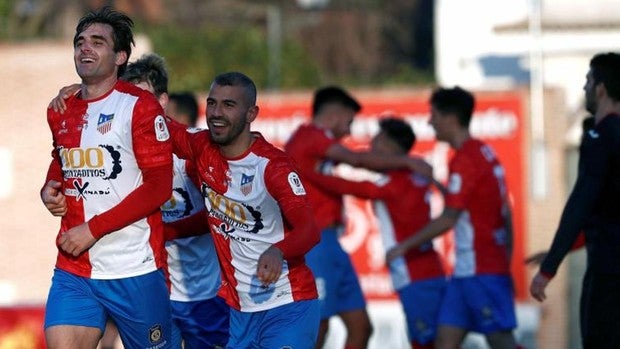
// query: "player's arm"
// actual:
[[341, 186], [301, 232], [580, 204], [285, 186], [194, 225], [153, 152], [339, 153], [51, 192], [436, 227]]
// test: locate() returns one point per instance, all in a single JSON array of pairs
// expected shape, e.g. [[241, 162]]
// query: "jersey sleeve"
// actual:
[[150, 135], [285, 186], [582, 200]]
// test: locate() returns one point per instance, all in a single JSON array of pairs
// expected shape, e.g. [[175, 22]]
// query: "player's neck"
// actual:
[[459, 138], [96, 89], [238, 147], [605, 107]]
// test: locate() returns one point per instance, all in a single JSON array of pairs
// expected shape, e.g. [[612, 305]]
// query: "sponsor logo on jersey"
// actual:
[[178, 206], [295, 182], [90, 162], [246, 184], [161, 129], [104, 123]]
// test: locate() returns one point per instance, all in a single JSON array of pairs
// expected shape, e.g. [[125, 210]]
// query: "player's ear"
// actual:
[[252, 113], [121, 57]]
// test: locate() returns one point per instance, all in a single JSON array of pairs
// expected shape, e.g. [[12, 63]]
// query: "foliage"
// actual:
[[195, 55]]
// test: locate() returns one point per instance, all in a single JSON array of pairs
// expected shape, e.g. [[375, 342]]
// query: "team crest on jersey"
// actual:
[[295, 183], [246, 184], [161, 129], [104, 123]]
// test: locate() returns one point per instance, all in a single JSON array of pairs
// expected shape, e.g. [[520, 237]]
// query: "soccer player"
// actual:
[[316, 149], [593, 208], [111, 169], [479, 296], [401, 203], [200, 317], [260, 219]]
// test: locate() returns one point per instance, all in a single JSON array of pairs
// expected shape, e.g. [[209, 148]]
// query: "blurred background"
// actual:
[[525, 60]]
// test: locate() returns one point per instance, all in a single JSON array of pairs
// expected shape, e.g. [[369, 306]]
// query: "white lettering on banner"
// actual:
[[492, 123]]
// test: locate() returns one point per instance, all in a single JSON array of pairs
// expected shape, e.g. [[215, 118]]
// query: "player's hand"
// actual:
[[394, 253], [76, 240], [420, 166], [270, 265], [53, 199], [538, 286], [536, 259], [58, 103]]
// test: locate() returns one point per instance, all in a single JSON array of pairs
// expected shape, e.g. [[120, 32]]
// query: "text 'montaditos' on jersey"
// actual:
[[192, 262], [308, 147], [100, 147], [477, 186], [246, 198], [402, 209]]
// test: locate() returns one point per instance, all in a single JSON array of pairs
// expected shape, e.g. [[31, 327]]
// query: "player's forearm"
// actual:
[[433, 229], [148, 197], [194, 225], [578, 208]]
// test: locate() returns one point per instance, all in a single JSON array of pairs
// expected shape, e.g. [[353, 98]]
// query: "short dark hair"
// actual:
[[454, 100], [187, 104], [605, 68], [149, 68], [238, 79], [333, 94], [121, 29], [399, 131]]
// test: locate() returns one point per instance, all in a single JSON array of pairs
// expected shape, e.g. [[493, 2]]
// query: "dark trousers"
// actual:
[[600, 311]]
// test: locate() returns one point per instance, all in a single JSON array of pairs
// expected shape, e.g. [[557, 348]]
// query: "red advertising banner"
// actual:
[[21, 327], [498, 120]]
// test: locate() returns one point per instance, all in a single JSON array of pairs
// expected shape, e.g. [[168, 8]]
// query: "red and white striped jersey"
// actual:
[[101, 147], [402, 209], [477, 186], [246, 199]]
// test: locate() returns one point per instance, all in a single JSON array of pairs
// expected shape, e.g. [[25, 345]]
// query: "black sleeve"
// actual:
[[593, 166]]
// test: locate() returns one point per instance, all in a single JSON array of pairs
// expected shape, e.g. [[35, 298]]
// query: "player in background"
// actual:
[[479, 295], [593, 208], [401, 203], [201, 315], [403, 207], [107, 185], [316, 149], [260, 219]]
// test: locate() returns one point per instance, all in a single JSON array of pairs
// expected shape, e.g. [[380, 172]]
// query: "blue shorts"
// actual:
[[142, 318], [203, 324], [336, 279], [421, 301], [294, 325], [482, 303]]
